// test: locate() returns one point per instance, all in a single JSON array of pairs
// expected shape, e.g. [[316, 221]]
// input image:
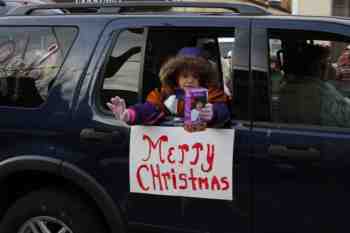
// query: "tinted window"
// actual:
[[226, 46], [310, 76], [29, 62]]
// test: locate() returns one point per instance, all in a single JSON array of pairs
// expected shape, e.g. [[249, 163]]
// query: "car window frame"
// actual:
[[314, 24], [106, 118]]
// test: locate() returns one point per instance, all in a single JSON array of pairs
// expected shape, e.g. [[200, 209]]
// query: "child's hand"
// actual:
[[195, 128], [206, 113], [118, 107]]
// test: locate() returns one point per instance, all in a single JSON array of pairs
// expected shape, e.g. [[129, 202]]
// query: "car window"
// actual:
[[310, 77], [131, 70], [29, 62], [226, 46], [121, 76]]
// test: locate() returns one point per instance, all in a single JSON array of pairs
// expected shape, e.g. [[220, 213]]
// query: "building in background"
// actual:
[[341, 7], [312, 7], [321, 7], [281, 5]]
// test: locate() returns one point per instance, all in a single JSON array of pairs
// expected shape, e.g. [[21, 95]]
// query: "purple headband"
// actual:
[[190, 52]]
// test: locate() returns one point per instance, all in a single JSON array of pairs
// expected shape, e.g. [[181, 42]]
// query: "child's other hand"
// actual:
[[118, 108], [206, 113]]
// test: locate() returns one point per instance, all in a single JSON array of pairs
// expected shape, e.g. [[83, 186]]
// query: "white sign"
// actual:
[[170, 161]]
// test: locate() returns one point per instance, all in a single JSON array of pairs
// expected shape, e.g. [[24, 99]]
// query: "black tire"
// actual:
[[59, 205]]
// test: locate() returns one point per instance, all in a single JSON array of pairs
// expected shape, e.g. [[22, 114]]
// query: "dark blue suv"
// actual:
[[65, 158]]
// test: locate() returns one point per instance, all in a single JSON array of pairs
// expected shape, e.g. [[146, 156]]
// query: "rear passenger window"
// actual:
[[310, 77], [30, 59]]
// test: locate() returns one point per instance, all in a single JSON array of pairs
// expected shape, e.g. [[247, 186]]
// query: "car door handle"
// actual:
[[294, 152], [90, 134]]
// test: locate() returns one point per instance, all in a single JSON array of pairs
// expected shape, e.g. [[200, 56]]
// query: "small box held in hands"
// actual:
[[195, 100]]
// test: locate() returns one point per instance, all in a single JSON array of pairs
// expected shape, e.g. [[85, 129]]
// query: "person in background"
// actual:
[[211, 52], [343, 65], [310, 96]]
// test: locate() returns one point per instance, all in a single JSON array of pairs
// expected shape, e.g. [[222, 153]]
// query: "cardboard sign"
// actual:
[[170, 161]]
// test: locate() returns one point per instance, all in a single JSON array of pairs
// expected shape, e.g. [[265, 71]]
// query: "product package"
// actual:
[[195, 100]]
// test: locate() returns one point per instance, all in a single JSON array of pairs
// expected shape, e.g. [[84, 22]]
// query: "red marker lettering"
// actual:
[[215, 184], [203, 183], [193, 179], [225, 183], [170, 154], [183, 177], [139, 177], [156, 177], [154, 146], [173, 177], [184, 148], [166, 176], [198, 147], [210, 158]]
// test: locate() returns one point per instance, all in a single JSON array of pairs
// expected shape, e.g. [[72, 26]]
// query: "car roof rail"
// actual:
[[141, 6]]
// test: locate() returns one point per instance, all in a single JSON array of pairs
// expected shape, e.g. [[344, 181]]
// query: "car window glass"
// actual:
[[219, 52], [29, 63], [226, 46], [121, 76], [310, 77]]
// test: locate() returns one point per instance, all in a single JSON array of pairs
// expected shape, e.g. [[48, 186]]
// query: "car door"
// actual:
[[108, 139], [300, 136]]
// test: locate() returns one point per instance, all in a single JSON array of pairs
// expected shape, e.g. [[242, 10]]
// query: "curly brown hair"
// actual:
[[198, 67]]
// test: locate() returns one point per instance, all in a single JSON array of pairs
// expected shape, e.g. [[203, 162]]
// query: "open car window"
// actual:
[[132, 67]]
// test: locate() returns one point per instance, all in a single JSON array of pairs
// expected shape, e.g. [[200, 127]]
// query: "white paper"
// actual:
[[170, 161]]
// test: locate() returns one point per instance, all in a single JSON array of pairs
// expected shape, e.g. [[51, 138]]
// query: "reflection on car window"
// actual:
[[29, 62], [126, 78], [121, 76]]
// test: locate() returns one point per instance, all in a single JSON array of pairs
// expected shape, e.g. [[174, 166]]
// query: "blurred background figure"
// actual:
[[342, 65], [212, 53]]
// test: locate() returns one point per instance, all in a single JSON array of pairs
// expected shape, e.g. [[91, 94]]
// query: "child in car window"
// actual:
[[186, 70]]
